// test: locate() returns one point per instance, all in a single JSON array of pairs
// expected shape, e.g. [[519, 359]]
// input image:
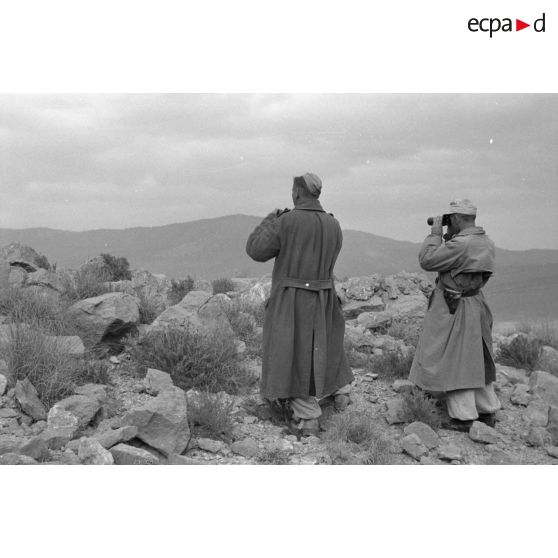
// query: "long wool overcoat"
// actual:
[[455, 350], [304, 327]]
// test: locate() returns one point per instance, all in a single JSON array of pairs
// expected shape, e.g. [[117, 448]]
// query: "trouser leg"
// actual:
[[345, 390], [461, 404], [486, 399], [305, 408]]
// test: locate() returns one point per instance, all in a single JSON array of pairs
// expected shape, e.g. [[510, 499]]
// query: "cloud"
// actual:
[[88, 161]]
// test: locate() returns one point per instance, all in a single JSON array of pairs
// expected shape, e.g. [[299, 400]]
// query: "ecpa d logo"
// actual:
[[493, 25]]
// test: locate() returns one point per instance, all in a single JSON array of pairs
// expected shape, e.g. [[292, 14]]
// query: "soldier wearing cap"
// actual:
[[454, 354], [303, 356]]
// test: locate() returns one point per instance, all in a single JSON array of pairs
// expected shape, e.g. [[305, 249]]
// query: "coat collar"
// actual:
[[309, 205], [471, 230]]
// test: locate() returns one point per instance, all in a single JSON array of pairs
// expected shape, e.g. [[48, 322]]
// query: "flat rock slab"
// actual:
[[156, 381], [212, 446], [413, 446], [426, 435], [247, 448], [17, 459], [8, 413], [483, 433], [450, 452], [83, 407], [110, 438], [29, 401], [125, 454]]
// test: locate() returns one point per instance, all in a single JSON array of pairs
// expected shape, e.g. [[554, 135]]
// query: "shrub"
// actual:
[[353, 438], [194, 360], [119, 267], [148, 310], [392, 364], [521, 352], [31, 354], [43, 262], [86, 283], [180, 288], [211, 413], [545, 331], [417, 406], [406, 331], [222, 285]]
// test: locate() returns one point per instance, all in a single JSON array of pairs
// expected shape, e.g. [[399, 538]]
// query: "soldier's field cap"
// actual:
[[313, 183], [462, 206]]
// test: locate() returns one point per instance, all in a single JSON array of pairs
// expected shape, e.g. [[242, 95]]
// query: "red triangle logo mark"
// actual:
[[519, 25]]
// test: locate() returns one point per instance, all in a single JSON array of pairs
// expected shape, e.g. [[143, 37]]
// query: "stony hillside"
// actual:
[[134, 375]]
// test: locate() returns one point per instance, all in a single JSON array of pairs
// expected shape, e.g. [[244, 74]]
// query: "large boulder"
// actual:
[[5, 269], [353, 308], [19, 255], [17, 277], [91, 452], [361, 288], [199, 311], [545, 385], [125, 454], [259, 292], [162, 422], [411, 306], [104, 318], [62, 426], [84, 408], [46, 279]]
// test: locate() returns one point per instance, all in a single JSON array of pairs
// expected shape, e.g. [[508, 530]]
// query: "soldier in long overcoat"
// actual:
[[303, 355], [454, 353]]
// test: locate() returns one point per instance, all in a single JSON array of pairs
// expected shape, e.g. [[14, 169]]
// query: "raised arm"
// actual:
[[263, 243], [435, 255]]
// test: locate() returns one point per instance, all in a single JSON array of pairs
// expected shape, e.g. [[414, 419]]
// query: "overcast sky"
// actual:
[[387, 162]]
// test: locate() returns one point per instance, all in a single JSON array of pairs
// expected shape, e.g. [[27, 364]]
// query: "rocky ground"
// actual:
[[522, 434]]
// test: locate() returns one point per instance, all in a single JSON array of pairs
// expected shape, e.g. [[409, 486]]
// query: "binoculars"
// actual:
[[445, 220]]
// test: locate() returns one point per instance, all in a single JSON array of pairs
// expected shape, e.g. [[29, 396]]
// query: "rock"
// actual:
[[536, 413], [22, 256], [407, 307], [105, 317], [412, 445], [354, 308], [500, 457], [5, 269], [240, 347], [259, 292], [247, 448], [46, 279], [212, 446], [520, 395], [483, 433], [538, 437], [83, 407], [114, 360], [111, 438], [125, 454], [450, 452], [176, 459], [17, 278], [156, 381], [545, 385], [29, 401], [395, 411], [426, 435], [552, 451], [8, 413], [91, 452], [68, 457], [548, 360], [162, 422], [62, 426], [373, 320], [3, 384], [93, 391], [38, 427], [552, 426], [403, 386], [512, 375], [36, 448], [9, 444], [16, 459], [361, 288]]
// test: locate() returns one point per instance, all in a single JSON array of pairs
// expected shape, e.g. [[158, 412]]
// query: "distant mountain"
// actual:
[[526, 283]]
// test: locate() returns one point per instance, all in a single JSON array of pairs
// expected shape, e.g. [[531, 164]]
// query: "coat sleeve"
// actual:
[[264, 243], [436, 255]]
